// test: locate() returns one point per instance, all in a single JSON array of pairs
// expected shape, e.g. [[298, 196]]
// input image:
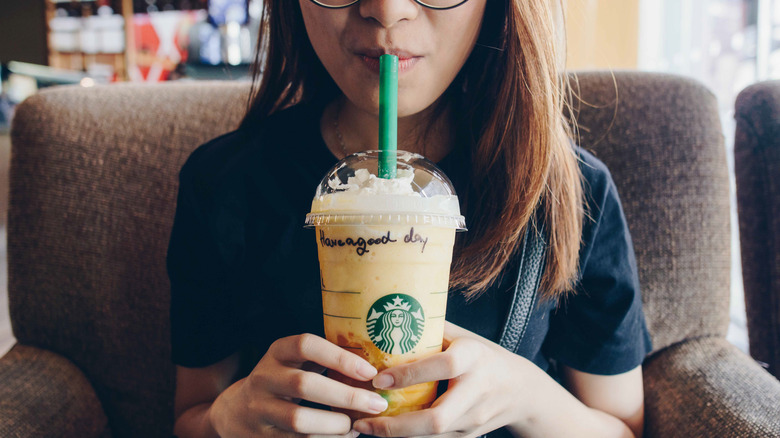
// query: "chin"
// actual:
[[412, 108]]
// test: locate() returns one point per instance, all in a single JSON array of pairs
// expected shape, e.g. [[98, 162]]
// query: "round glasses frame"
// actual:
[[419, 2]]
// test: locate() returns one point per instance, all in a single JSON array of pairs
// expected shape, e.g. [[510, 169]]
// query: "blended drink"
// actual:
[[385, 249]]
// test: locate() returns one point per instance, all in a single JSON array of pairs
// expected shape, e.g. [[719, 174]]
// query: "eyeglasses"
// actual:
[[432, 4]]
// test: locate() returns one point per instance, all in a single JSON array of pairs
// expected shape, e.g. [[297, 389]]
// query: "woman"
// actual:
[[481, 95]]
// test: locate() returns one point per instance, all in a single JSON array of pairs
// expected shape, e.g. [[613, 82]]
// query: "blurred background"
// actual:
[[726, 44]]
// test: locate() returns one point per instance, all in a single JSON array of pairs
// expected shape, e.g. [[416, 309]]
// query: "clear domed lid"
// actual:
[[426, 179], [352, 191]]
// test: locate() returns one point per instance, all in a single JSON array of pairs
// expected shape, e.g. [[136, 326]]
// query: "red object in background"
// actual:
[[146, 46], [160, 43]]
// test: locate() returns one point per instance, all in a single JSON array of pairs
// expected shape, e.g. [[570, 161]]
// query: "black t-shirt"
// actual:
[[244, 270]]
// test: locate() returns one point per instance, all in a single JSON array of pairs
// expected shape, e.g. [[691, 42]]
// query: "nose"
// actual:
[[389, 12]]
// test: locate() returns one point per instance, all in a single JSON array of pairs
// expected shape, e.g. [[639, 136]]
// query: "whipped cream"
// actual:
[[366, 183], [367, 193]]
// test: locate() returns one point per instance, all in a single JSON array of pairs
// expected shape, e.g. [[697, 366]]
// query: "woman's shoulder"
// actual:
[[593, 170], [598, 185]]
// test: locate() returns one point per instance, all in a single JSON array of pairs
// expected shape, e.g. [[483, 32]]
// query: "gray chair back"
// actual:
[[757, 165]]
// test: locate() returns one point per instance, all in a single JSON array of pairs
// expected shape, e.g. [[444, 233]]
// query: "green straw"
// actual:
[[388, 116]]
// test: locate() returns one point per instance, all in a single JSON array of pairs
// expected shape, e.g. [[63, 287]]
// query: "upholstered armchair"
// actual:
[[93, 184], [757, 165]]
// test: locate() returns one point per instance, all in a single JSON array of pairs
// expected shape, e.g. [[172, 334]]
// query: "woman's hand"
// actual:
[[265, 402], [485, 383], [490, 387]]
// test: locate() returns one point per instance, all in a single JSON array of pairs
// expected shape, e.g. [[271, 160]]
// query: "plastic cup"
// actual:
[[385, 249]]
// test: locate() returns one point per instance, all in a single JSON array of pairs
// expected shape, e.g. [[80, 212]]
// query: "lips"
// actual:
[[370, 57], [379, 51]]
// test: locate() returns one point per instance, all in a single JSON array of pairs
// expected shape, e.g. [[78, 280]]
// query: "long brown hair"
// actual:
[[510, 98]]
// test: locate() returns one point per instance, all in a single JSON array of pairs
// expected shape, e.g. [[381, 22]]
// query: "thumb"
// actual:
[[454, 331]]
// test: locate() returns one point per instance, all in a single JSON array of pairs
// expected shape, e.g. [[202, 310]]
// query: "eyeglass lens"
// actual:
[[433, 4]]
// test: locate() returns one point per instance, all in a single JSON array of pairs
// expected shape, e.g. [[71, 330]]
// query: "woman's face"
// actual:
[[432, 46], [396, 318]]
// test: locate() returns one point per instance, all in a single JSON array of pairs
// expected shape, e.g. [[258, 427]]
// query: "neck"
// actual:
[[347, 129]]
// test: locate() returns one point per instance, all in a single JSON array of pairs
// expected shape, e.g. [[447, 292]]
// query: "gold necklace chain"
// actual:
[[338, 130]]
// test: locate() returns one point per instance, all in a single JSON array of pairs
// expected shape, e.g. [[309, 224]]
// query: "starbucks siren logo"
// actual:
[[395, 323]]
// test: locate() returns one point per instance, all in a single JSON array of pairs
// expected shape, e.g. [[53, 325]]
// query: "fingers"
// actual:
[[313, 367], [404, 425], [290, 417], [449, 416], [299, 349], [317, 388], [459, 357], [433, 421], [269, 431]]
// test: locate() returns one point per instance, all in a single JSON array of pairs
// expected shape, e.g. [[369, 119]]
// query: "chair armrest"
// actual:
[[707, 387], [44, 394]]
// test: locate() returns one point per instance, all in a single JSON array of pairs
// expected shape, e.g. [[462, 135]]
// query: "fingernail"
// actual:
[[362, 427], [384, 381], [354, 434], [377, 404], [366, 370]]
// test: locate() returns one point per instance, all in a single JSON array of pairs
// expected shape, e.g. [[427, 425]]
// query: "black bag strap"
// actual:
[[529, 276]]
